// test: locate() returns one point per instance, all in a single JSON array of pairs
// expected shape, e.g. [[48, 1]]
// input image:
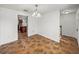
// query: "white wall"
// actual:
[[77, 21], [32, 25], [68, 22], [48, 25], [8, 25]]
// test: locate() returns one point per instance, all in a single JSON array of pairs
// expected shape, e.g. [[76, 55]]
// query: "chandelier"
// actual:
[[36, 13]]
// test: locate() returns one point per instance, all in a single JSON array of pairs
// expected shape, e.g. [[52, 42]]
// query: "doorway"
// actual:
[[68, 25], [68, 28], [22, 27]]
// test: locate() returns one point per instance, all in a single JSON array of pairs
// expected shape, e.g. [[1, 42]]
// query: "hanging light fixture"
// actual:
[[36, 13]]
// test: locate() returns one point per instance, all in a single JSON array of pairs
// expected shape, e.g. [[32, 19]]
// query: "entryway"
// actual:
[[22, 26]]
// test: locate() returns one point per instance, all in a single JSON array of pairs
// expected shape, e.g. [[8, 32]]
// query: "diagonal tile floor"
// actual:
[[37, 44]]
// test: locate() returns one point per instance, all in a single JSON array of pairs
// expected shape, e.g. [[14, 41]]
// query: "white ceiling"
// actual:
[[42, 8]]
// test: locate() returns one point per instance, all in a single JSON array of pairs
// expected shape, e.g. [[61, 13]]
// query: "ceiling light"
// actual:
[[36, 13], [67, 11]]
